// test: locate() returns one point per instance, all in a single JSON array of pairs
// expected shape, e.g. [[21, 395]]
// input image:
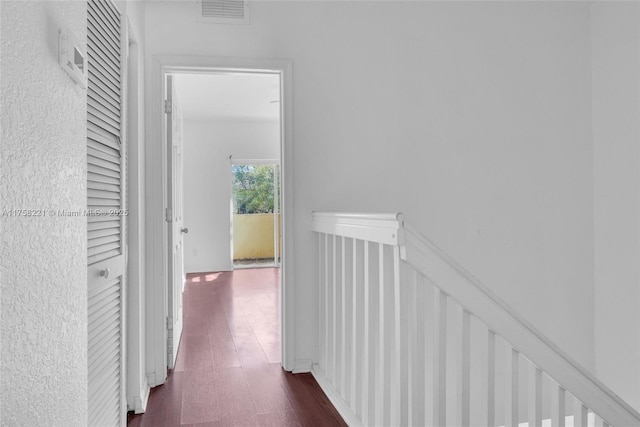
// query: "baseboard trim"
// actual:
[[338, 402], [302, 366], [138, 404]]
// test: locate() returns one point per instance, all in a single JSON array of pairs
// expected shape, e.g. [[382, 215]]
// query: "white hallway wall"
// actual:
[[616, 139], [473, 118], [207, 183]]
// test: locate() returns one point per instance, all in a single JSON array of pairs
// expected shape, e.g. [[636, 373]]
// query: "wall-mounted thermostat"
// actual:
[[71, 58]]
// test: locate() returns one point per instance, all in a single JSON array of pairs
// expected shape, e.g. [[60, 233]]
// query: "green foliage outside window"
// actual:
[[252, 189]]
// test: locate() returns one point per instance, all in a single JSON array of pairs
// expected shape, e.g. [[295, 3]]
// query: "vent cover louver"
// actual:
[[223, 11]]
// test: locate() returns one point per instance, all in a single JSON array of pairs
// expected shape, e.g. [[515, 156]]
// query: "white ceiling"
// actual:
[[225, 96]]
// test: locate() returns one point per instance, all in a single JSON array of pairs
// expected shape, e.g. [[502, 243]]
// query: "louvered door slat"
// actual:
[[107, 10], [100, 143], [105, 167], [98, 74], [107, 64], [102, 92], [104, 233], [103, 204], [104, 115], [98, 71], [101, 121], [98, 180], [103, 172], [101, 52], [98, 241], [108, 15], [107, 411], [103, 224], [99, 185], [103, 256], [103, 156], [99, 135], [99, 32], [105, 195], [103, 249], [105, 109], [105, 364]]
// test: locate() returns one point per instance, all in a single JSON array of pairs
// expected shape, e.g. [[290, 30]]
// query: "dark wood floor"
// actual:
[[228, 368]]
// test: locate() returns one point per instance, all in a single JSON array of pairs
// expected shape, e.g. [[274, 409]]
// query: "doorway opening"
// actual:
[[216, 115], [159, 329], [255, 217]]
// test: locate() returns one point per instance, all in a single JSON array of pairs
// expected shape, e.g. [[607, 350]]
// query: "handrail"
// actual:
[[379, 228], [455, 281]]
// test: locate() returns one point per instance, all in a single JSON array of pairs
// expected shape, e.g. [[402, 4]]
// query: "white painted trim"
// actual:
[[156, 238], [378, 228], [138, 404], [341, 405], [302, 366]]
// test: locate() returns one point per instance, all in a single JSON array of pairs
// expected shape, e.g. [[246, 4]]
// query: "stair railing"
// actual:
[[409, 337]]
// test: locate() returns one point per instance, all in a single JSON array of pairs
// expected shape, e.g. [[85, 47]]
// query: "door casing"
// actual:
[[156, 179]]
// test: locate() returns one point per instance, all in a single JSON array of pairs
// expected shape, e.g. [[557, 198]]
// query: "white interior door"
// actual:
[[106, 250], [174, 218]]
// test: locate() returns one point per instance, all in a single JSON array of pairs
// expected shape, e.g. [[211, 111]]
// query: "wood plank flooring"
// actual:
[[228, 368]]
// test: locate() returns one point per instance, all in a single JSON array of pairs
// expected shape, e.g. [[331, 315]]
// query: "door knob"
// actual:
[[105, 273], [184, 230]]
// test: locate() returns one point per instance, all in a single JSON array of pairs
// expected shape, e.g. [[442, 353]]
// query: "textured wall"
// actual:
[[44, 300]]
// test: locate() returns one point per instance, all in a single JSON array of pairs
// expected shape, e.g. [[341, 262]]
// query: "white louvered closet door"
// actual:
[[105, 219]]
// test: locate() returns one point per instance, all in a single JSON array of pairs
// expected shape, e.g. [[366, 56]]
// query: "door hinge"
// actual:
[[168, 215], [167, 106], [170, 323]]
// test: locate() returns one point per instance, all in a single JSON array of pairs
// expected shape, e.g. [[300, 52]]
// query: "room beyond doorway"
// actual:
[[227, 115]]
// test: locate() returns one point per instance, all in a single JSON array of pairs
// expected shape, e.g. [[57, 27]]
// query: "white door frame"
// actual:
[[156, 181]]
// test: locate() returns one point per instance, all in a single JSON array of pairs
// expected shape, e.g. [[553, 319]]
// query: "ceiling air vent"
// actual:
[[223, 11]]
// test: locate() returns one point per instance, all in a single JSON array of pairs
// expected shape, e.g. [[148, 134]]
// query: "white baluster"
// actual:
[[394, 404], [558, 400], [354, 325], [512, 406], [535, 396], [440, 360], [491, 378], [580, 413], [464, 376], [411, 361], [326, 305], [321, 343], [380, 353], [334, 314], [343, 319], [425, 349], [366, 407]]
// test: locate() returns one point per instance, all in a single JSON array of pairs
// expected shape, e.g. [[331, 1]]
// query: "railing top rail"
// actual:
[[384, 228]]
